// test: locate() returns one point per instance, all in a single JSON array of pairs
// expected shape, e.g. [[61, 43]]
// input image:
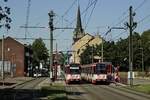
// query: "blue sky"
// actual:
[[106, 13]]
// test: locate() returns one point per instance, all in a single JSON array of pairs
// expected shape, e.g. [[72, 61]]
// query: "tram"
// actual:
[[73, 73], [98, 72]]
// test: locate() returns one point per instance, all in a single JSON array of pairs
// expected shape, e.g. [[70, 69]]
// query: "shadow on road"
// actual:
[[30, 94], [83, 82]]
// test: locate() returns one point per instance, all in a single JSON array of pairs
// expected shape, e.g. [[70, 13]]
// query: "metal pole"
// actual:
[[130, 46], [75, 56], [92, 55], [51, 15], [68, 57], [102, 51], [2, 73], [12, 65], [142, 61]]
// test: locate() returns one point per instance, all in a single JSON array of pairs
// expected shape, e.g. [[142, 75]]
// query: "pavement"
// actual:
[[13, 82], [137, 81]]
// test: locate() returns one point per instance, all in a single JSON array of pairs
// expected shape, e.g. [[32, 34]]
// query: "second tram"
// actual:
[[98, 72]]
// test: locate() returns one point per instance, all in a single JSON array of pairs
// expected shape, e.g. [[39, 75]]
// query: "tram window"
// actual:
[[74, 71], [100, 68]]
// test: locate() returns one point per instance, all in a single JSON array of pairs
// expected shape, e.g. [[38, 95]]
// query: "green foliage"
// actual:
[[63, 59], [86, 56], [40, 52], [146, 47], [109, 50], [5, 20], [118, 52], [54, 92]]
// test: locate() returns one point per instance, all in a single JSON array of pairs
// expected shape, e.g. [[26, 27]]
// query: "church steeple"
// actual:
[[78, 32], [79, 23]]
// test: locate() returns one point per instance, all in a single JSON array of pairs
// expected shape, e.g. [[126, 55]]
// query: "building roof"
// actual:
[[10, 38], [87, 34]]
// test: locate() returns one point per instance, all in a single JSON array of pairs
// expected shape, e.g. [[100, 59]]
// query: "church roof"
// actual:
[[82, 38]]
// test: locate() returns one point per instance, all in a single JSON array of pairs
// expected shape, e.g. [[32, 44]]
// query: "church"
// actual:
[[81, 39]]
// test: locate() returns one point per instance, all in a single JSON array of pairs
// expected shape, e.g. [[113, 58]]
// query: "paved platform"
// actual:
[[12, 82]]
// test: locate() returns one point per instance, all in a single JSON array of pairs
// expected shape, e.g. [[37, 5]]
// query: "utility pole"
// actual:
[[131, 25], [2, 73], [56, 64], [92, 54], [27, 17], [142, 60], [102, 51], [130, 46], [51, 15]]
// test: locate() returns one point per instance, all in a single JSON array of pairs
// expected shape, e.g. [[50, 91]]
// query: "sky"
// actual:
[[96, 20]]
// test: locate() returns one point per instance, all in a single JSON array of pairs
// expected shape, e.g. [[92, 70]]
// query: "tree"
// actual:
[[137, 54], [40, 52], [63, 58], [146, 48], [5, 20], [118, 52], [86, 55]]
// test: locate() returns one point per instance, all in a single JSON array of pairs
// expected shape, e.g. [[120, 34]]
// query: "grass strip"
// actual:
[[145, 88], [54, 92]]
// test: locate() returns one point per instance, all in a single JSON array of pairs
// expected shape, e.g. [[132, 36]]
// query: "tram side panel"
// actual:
[[99, 72]]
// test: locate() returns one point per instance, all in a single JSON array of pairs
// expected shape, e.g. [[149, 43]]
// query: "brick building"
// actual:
[[17, 57]]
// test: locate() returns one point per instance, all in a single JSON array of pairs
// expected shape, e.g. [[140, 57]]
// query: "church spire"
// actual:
[[78, 32], [79, 23]]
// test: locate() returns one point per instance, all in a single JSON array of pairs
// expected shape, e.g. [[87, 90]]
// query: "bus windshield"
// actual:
[[100, 69]]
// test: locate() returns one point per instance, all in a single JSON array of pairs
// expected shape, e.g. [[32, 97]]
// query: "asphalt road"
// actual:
[[102, 92]]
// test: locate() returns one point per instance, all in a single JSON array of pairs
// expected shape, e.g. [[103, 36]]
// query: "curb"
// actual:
[[146, 78], [120, 84]]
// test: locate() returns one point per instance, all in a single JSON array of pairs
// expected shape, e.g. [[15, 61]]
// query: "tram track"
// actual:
[[102, 92], [125, 89], [92, 93], [28, 90], [124, 93], [30, 84], [24, 91], [112, 93], [82, 92]]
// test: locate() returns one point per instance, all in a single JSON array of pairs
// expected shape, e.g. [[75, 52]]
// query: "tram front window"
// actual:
[[74, 71], [100, 69]]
